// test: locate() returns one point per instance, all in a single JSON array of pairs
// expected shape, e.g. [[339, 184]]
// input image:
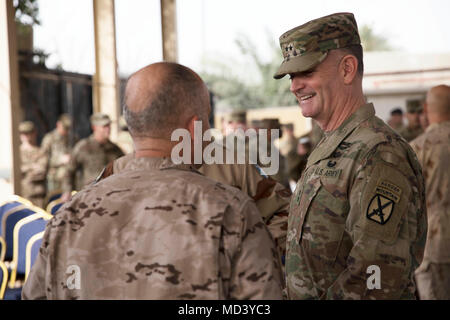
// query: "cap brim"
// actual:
[[300, 64]]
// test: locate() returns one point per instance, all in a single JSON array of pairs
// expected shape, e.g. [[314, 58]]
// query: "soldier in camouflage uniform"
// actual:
[[33, 165], [357, 222], [433, 150], [55, 146], [414, 129], [288, 142], [271, 198], [90, 155], [189, 238]]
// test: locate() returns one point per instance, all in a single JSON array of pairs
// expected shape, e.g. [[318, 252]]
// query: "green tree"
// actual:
[[232, 92], [372, 41], [27, 12]]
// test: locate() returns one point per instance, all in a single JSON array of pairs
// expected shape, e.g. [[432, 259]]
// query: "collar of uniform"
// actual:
[[156, 164], [437, 125], [334, 138]]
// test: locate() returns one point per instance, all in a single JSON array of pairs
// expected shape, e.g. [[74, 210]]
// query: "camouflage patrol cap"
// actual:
[[100, 119], [26, 127], [305, 46], [270, 123], [413, 106], [65, 120], [238, 116]]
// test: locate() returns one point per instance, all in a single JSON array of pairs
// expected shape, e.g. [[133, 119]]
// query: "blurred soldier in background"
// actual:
[[360, 202], [281, 176], [396, 119], [33, 165], [157, 230], [55, 146], [297, 159], [433, 151], [237, 119], [316, 134], [413, 129], [124, 140], [288, 142], [90, 155]]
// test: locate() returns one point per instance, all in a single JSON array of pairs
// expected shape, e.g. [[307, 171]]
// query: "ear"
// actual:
[[190, 126], [349, 68]]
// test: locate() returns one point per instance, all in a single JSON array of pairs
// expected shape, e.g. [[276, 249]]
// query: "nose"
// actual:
[[296, 84]]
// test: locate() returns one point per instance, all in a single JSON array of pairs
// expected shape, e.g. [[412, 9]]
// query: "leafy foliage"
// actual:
[[371, 41], [27, 12]]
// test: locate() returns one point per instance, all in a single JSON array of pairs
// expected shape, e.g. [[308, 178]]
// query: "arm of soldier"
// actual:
[[256, 272], [272, 200], [68, 183], [35, 286], [383, 225]]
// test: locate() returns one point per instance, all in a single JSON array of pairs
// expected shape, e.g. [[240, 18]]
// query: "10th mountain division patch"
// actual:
[[381, 206]]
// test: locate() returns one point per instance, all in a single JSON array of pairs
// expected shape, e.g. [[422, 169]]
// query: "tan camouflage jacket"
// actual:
[[87, 160], [410, 134], [33, 165], [360, 203], [433, 151], [271, 198], [55, 146], [189, 238]]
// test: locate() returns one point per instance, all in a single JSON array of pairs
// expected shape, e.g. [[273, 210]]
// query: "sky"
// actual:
[[207, 29]]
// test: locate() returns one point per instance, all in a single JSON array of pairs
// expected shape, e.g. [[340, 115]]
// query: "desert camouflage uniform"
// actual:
[[33, 165], [55, 147], [87, 160], [271, 198], [433, 151], [409, 133], [189, 238], [360, 202]]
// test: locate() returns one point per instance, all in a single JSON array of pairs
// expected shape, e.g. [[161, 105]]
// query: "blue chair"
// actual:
[[9, 221], [56, 207], [54, 196], [3, 279], [12, 202], [2, 249], [24, 231], [32, 250]]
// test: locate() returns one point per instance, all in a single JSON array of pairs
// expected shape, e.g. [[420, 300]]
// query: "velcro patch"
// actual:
[[380, 209], [389, 190]]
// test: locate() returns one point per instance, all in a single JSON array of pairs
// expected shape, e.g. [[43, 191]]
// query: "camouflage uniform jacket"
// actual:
[[189, 238], [33, 172], [359, 202], [271, 198], [87, 160], [55, 147], [433, 150], [409, 133]]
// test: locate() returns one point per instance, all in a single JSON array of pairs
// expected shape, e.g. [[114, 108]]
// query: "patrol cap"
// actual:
[[255, 123], [413, 106], [270, 123], [26, 127], [100, 119], [396, 111], [305, 46], [65, 120], [238, 116]]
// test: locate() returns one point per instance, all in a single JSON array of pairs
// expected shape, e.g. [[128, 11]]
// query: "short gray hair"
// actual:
[[179, 97]]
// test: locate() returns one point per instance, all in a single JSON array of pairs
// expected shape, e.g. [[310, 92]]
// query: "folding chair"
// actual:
[[9, 221], [32, 250], [13, 202], [2, 249], [3, 279], [24, 230]]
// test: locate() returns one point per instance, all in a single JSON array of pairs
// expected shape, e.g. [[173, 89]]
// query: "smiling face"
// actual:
[[316, 90]]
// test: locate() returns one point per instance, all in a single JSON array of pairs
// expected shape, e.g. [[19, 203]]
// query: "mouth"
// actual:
[[306, 97]]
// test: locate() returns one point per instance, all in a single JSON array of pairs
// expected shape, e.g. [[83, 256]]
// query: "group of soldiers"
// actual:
[[56, 167], [368, 218], [417, 120]]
